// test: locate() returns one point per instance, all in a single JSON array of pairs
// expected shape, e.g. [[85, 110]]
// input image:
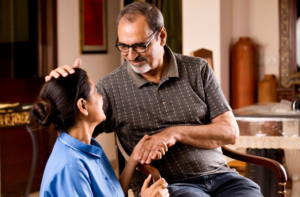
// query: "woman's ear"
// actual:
[[82, 106]]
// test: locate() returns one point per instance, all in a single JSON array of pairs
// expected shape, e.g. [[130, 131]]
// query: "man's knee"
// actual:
[[237, 185]]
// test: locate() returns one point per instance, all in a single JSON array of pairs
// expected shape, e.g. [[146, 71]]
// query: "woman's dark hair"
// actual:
[[150, 11], [57, 102]]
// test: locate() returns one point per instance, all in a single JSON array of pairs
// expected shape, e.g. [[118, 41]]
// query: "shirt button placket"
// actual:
[[159, 93]]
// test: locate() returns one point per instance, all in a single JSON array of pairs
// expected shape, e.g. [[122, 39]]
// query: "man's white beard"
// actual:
[[141, 70]]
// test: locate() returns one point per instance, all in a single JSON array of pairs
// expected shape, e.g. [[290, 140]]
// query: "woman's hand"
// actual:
[[134, 155], [158, 189], [132, 163]]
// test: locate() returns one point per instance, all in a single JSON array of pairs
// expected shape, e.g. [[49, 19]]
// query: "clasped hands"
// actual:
[[151, 148]]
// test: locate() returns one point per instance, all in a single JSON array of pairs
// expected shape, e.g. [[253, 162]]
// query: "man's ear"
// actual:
[[163, 36], [82, 106]]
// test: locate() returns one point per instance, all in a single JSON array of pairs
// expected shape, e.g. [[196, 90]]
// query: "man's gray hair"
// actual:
[[150, 11]]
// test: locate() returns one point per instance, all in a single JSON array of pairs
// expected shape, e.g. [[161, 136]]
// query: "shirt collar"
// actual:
[[139, 80], [93, 149]]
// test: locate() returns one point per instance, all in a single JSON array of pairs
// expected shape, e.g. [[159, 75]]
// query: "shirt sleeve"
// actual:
[[70, 181], [215, 99]]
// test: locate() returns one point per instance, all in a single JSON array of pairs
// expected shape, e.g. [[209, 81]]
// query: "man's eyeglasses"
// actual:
[[139, 48]]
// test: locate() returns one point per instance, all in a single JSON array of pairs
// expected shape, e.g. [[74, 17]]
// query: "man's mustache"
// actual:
[[139, 58]]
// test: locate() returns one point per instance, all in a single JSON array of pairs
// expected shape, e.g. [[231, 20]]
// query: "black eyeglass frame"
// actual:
[[135, 45]]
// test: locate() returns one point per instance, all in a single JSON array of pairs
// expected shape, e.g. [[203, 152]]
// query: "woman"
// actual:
[[77, 165]]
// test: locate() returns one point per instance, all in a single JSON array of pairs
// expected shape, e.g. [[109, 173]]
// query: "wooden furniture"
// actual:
[[275, 166], [16, 152], [205, 54], [123, 156], [287, 49], [272, 126], [23, 65]]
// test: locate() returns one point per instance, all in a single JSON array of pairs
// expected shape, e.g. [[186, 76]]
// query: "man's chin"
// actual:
[[141, 69]]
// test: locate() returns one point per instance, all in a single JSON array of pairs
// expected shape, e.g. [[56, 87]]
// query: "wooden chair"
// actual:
[[205, 54], [32, 169], [271, 164], [275, 166], [123, 156]]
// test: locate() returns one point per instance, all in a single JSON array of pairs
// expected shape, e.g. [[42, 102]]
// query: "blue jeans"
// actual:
[[216, 185]]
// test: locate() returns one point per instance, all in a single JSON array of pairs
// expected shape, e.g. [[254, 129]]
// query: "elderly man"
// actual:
[[176, 100]]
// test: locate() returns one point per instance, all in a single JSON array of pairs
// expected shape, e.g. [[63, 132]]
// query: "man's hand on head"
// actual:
[[157, 146], [63, 70]]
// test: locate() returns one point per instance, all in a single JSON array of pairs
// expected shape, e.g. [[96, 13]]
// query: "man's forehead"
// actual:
[[131, 39], [133, 32]]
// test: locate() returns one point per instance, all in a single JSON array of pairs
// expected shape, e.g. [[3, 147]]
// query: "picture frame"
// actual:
[[93, 27]]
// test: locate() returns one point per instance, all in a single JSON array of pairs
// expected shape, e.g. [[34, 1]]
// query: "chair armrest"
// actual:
[[275, 166], [148, 169]]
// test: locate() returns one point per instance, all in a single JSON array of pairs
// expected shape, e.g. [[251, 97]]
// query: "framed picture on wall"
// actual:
[[93, 29]]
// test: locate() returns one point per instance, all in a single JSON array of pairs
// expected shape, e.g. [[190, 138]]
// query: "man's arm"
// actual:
[[222, 130]]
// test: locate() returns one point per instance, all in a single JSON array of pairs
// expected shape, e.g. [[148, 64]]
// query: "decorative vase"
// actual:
[[267, 89], [243, 73]]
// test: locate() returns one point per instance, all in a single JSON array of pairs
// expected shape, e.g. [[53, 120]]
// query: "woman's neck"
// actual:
[[82, 131]]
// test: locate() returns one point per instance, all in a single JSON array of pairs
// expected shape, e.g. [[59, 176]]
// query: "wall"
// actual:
[[259, 20], [207, 24], [96, 65], [217, 24]]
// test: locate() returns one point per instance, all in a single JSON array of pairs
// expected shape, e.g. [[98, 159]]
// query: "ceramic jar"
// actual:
[[243, 71], [267, 89]]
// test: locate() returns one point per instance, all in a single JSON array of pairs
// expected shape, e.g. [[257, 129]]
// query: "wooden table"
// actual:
[[269, 126]]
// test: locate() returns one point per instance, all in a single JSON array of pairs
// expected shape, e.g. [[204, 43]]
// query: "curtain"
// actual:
[[172, 12]]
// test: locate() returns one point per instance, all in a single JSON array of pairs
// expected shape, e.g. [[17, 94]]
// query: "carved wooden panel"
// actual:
[[287, 40]]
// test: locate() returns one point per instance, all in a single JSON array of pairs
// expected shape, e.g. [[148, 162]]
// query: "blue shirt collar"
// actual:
[[93, 149]]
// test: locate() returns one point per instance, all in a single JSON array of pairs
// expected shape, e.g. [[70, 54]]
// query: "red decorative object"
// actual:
[[93, 22], [243, 73], [267, 89], [93, 38]]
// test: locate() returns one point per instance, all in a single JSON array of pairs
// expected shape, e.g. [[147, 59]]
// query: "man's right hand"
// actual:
[[63, 70]]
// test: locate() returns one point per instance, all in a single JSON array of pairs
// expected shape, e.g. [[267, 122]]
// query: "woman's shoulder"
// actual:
[[63, 156]]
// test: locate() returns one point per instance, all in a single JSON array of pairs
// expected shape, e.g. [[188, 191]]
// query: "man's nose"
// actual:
[[132, 54]]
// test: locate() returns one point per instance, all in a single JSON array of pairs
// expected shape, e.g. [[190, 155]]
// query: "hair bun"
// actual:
[[41, 112]]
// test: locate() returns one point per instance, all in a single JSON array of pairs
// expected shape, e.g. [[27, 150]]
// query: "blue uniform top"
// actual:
[[77, 169]]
